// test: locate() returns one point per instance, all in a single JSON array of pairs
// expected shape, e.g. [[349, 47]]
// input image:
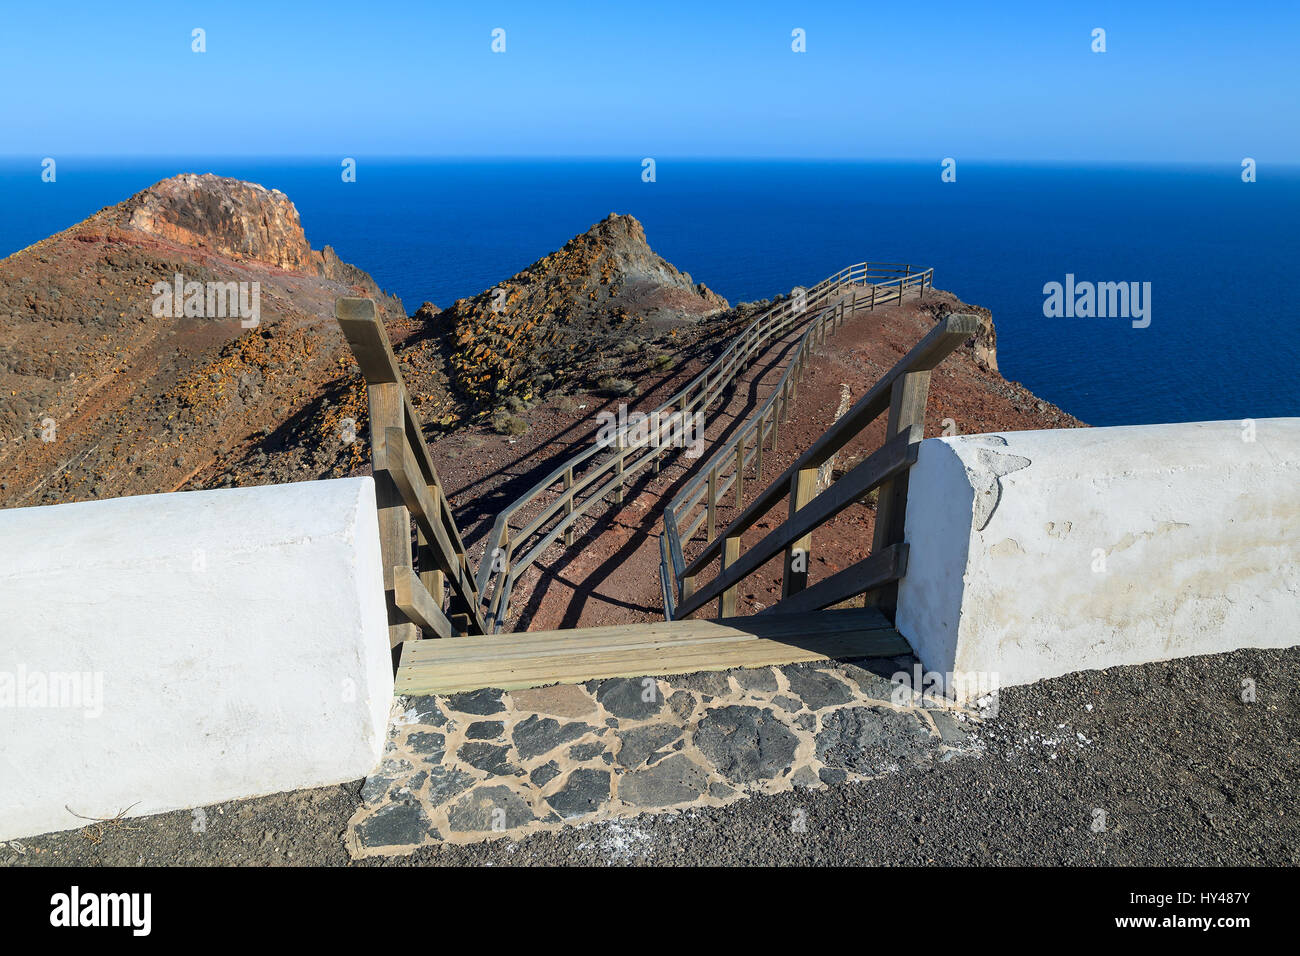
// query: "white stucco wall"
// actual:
[[238, 640], [1034, 554]]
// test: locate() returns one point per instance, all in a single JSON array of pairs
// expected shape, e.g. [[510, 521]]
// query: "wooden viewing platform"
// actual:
[[537, 658]]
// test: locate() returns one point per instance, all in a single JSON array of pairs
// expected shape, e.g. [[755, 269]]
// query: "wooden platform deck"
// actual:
[[535, 659]]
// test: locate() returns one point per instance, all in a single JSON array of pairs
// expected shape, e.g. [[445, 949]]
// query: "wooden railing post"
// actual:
[[803, 487], [501, 562], [730, 554], [431, 577], [406, 486], [907, 403], [386, 412], [758, 450]]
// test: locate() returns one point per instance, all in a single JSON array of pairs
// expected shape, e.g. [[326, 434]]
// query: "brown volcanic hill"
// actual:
[[101, 397], [133, 402], [566, 311]]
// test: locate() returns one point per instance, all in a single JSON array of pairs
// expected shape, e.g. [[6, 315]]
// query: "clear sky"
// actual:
[[1180, 81]]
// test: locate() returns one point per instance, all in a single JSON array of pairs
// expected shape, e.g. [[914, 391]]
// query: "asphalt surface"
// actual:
[[1159, 764]]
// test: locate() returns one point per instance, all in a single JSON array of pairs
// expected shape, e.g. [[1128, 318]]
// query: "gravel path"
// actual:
[[1184, 771]]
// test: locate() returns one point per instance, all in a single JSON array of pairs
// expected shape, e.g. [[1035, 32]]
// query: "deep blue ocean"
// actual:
[[1222, 256]]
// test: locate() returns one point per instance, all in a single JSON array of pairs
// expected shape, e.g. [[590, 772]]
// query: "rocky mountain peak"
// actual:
[[601, 290], [232, 218]]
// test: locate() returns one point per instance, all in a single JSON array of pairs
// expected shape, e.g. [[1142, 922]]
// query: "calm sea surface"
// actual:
[[1221, 255]]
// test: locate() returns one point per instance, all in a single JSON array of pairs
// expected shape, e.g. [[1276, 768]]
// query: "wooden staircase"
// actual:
[[430, 589]]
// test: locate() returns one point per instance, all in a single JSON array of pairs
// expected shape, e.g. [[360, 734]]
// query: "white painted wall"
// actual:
[[239, 639], [1199, 530]]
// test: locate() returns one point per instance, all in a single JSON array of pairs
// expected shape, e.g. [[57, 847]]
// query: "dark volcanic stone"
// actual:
[[873, 676], [479, 702], [415, 782], [379, 782], [830, 775], [804, 777], [622, 697], [872, 739], [713, 683], [681, 703], [758, 678], [375, 787], [955, 733], [544, 774], [786, 702], [586, 751], [537, 735], [675, 780], [582, 793], [639, 743], [426, 710], [485, 730], [816, 688], [398, 824], [491, 758], [489, 809], [427, 744], [447, 782], [746, 743]]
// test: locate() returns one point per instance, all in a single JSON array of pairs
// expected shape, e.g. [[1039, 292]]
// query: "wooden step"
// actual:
[[538, 658]]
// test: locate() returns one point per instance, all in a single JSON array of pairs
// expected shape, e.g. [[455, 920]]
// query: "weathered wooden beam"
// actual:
[[888, 460], [394, 519], [422, 502], [794, 575], [873, 572], [418, 604], [727, 601], [906, 413]]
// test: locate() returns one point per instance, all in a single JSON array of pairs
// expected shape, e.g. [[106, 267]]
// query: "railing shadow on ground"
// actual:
[[585, 590]]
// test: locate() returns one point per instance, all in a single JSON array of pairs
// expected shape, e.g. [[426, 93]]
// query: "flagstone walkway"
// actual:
[[491, 764]]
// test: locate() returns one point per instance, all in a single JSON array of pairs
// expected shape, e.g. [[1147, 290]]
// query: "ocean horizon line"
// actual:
[[402, 158]]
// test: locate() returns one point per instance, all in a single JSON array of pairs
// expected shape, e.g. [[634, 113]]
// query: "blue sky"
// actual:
[[1180, 81]]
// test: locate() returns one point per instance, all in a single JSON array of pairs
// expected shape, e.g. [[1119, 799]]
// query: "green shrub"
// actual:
[[503, 423], [616, 386]]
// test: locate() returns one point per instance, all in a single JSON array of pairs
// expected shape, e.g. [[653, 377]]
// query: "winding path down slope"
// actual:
[[610, 574]]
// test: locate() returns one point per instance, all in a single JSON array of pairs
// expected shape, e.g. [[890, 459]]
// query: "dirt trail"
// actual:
[[611, 574]]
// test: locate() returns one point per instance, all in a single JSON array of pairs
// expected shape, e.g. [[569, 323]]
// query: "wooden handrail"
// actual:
[[406, 486], [926, 354], [621, 463], [887, 461], [902, 391]]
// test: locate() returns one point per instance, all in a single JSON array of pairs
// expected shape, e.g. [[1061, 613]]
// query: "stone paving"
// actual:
[[491, 764]]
